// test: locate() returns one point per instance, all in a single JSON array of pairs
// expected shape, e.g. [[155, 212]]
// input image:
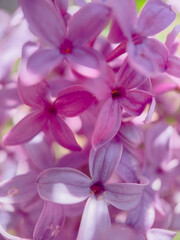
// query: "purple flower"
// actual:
[[123, 93], [65, 42], [71, 102], [69, 186], [147, 55]]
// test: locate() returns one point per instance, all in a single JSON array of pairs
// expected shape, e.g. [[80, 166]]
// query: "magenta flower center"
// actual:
[[97, 189], [51, 109], [66, 47], [137, 38], [117, 93]]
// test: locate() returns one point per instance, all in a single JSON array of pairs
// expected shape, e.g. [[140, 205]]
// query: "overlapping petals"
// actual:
[[97, 124], [49, 223], [108, 123], [18, 188], [63, 185], [101, 165], [96, 222], [124, 196], [65, 43]]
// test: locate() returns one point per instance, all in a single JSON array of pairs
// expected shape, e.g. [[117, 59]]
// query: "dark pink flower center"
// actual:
[[137, 38], [97, 189], [66, 47], [159, 170], [51, 109], [117, 93]]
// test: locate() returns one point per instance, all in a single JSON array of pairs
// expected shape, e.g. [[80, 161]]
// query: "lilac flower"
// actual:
[[124, 92], [147, 55], [21, 190], [69, 84], [71, 102], [68, 186], [68, 43]]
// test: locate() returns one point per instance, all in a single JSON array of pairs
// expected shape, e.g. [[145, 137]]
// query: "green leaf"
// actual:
[[140, 4]]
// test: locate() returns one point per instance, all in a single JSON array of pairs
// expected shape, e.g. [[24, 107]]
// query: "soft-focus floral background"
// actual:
[[11, 5]]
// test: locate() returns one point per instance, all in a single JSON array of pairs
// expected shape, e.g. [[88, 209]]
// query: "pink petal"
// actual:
[[124, 196], [33, 96], [73, 101], [173, 66], [131, 134], [163, 87], [160, 234], [134, 101], [149, 57], [28, 78], [151, 110], [104, 161], [25, 129], [43, 18], [128, 167], [9, 97], [50, 222], [95, 222], [125, 14], [84, 61], [63, 134], [43, 61], [142, 217], [63, 185], [128, 77], [116, 35], [157, 142], [85, 27], [155, 17], [19, 188], [107, 124], [41, 156], [62, 5], [171, 37]]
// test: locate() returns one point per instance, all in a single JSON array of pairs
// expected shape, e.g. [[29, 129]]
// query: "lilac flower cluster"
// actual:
[[90, 121]]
